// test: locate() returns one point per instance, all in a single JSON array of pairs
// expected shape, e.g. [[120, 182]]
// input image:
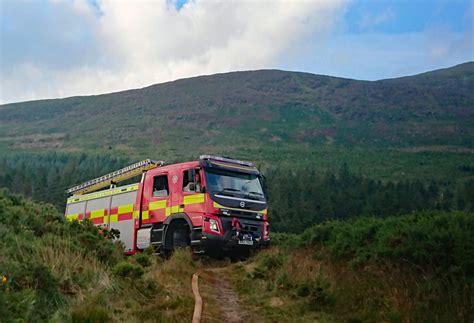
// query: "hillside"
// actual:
[[260, 110], [361, 270], [56, 271]]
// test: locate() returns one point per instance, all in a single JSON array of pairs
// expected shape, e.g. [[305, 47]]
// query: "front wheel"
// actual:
[[180, 239], [177, 236]]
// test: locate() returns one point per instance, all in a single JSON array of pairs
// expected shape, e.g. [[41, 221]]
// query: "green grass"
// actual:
[[52, 270], [416, 267]]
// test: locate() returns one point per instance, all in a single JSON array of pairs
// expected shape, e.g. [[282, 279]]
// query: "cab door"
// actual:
[[193, 195], [157, 198]]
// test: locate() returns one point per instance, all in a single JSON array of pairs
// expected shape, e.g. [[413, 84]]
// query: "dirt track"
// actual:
[[231, 307]]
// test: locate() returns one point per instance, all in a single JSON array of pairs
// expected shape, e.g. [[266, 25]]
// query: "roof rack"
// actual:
[[114, 177]]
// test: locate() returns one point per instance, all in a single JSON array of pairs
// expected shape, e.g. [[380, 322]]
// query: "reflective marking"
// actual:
[[156, 205], [72, 217], [97, 214], [193, 199], [125, 208]]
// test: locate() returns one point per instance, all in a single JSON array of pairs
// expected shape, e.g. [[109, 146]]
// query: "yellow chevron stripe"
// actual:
[[193, 199], [157, 205], [136, 214], [72, 217], [113, 218], [97, 214], [125, 208]]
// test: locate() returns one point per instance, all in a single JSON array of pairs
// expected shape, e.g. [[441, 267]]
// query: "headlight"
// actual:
[[214, 225]]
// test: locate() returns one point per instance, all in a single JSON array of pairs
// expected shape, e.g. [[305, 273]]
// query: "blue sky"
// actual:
[[52, 49]]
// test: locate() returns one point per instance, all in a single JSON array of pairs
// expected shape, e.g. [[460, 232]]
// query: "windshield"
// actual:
[[227, 183]]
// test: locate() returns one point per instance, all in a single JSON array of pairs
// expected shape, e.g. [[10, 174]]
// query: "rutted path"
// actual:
[[231, 307]]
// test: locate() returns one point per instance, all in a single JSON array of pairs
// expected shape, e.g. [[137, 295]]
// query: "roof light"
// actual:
[[227, 160]]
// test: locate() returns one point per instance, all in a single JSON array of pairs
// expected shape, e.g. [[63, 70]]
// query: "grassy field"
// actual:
[[416, 268]]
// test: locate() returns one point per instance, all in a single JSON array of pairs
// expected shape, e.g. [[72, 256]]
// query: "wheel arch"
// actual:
[[168, 223], [177, 216]]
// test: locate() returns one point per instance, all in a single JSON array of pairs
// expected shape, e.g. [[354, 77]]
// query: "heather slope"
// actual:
[[262, 109]]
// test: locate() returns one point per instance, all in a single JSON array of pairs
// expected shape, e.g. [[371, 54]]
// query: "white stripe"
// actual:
[[239, 199]]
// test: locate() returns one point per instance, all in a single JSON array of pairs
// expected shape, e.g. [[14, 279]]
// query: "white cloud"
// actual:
[[133, 44], [373, 20]]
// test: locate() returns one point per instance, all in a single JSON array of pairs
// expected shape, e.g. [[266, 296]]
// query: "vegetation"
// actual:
[[299, 196], [379, 174], [416, 267], [54, 270], [257, 114]]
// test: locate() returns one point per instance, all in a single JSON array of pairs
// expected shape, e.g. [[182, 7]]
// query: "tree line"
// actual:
[[299, 197]]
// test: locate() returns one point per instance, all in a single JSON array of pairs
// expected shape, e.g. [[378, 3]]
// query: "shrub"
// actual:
[[317, 293], [438, 241], [148, 287], [47, 259], [269, 261], [127, 270], [143, 259]]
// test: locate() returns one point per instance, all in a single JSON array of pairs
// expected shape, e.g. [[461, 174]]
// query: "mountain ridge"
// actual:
[[259, 109], [468, 64]]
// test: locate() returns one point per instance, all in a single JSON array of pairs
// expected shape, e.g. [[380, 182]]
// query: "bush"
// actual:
[[438, 241], [148, 287], [271, 261], [317, 293], [46, 259], [127, 270], [143, 259]]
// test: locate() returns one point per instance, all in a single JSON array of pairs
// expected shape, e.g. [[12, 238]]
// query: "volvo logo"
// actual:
[[242, 204]]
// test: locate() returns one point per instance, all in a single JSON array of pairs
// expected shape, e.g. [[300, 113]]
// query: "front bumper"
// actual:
[[212, 242], [250, 230]]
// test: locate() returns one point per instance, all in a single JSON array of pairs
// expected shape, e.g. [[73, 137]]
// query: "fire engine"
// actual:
[[214, 205]]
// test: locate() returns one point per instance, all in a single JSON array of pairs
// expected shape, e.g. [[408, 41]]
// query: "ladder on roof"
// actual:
[[114, 177]]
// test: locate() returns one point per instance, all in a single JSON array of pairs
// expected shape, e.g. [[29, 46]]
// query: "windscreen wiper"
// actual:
[[255, 193], [227, 189]]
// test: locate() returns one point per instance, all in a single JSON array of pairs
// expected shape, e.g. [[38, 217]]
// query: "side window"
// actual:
[[191, 181], [160, 186]]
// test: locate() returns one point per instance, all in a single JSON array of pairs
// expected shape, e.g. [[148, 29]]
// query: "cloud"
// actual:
[[376, 19], [81, 49]]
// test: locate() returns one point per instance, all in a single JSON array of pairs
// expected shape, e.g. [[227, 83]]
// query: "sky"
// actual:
[[61, 48]]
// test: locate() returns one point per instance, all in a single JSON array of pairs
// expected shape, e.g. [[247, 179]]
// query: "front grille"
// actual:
[[243, 214]]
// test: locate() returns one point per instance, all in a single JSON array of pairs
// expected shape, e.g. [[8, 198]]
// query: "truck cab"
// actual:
[[214, 205]]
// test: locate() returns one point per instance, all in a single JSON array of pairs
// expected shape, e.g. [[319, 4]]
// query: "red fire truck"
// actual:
[[214, 205]]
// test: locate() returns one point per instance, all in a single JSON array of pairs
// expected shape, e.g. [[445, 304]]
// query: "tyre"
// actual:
[[180, 239]]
